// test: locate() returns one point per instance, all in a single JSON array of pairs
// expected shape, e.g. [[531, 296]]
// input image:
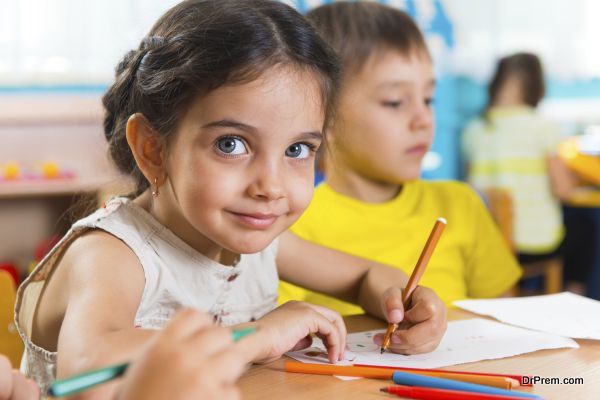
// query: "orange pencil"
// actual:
[[516, 380], [386, 373], [434, 236]]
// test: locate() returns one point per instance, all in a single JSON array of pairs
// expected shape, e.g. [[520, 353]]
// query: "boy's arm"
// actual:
[[337, 274], [105, 284]]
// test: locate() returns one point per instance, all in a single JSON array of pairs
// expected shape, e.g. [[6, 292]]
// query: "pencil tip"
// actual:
[[383, 390], [381, 351]]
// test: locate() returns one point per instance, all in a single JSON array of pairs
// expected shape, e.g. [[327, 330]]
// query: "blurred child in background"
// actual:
[[512, 147]]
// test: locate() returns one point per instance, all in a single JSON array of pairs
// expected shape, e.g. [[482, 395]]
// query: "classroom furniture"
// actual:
[[270, 382], [582, 248], [500, 205], [10, 341], [64, 129]]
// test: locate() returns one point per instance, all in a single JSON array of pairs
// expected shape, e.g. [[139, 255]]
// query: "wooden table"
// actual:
[[270, 382]]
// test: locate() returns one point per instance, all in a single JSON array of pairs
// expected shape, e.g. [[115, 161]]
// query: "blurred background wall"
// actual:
[[71, 47]]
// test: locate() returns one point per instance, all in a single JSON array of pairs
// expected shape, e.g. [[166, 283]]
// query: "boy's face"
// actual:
[[385, 123]]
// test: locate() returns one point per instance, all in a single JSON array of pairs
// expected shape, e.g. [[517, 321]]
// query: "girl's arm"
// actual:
[[105, 282]]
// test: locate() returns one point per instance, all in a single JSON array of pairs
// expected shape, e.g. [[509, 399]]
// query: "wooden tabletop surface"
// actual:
[[270, 382]]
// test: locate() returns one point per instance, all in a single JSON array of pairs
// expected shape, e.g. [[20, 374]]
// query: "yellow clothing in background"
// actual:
[[509, 151], [470, 260]]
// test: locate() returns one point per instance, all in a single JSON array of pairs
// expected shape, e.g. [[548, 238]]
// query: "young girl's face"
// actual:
[[385, 124], [241, 165]]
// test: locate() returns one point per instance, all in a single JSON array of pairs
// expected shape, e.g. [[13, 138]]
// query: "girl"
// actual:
[[372, 203], [217, 116]]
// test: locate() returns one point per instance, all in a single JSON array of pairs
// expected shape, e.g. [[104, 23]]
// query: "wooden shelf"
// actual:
[[59, 187]]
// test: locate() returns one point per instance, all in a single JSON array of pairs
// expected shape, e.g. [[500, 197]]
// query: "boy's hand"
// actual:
[[14, 385], [421, 327], [289, 326]]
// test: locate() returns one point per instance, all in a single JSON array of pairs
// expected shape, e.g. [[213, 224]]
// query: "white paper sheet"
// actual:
[[564, 314], [465, 341]]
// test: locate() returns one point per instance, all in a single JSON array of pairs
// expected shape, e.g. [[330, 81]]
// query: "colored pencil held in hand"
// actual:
[[413, 281], [87, 380]]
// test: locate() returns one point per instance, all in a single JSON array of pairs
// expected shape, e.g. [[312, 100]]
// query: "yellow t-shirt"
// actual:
[[470, 260]]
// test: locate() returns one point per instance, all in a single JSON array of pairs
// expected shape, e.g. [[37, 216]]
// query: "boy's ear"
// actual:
[[146, 146]]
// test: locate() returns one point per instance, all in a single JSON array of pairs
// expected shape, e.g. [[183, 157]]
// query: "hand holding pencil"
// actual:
[[189, 358], [418, 310]]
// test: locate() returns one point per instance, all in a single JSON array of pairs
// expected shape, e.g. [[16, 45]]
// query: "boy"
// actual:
[[372, 204]]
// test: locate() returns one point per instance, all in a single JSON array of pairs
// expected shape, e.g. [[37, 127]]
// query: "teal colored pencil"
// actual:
[[82, 382]]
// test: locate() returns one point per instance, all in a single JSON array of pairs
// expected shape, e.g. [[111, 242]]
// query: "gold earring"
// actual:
[[155, 191]]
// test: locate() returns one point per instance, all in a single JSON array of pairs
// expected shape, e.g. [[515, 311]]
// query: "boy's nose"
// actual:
[[422, 118]]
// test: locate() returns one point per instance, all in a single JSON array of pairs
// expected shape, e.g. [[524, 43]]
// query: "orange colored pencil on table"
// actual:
[[413, 281], [517, 380], [386, 373]]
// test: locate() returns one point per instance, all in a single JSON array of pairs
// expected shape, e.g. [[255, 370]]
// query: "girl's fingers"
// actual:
[[329, 333], [391, 303], [337, 320], [303, 343], [186, 323]]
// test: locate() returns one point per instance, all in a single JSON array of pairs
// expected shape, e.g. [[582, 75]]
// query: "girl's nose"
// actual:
[[268, 184]]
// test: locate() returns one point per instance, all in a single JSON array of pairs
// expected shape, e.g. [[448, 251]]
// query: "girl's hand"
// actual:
[[289, 326], [191, 358], [14, 385], [421, 327]]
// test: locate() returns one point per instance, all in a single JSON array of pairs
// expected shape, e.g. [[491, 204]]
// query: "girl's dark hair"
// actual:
[[200, 45], [358, 30], [527, 68]]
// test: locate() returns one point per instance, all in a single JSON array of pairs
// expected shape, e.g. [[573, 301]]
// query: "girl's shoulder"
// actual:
[[97, 260], [90, 266]]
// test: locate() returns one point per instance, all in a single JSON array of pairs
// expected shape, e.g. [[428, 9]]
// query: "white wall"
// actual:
[[75, 41]]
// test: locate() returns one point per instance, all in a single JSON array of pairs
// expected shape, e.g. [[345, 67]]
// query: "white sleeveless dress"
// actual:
[[176, 276]]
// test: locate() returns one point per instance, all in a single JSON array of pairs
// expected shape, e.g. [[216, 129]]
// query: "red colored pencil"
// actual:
[[416, 392]]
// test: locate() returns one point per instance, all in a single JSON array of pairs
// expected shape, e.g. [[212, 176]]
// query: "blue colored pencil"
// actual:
[[405, 378]]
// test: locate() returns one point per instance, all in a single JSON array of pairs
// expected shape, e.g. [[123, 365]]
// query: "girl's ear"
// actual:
[[147, 148]]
